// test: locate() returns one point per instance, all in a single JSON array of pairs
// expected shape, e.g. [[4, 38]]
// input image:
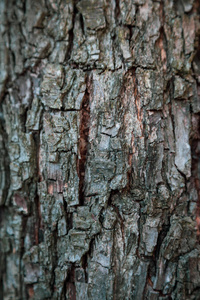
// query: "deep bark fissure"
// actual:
[[6, 160], [195, 150], [83, 140], [71, 33], [22, 250], [68, 217], [117, 10], [54, 261], [84, 263], [161, 236], [69, 290], [38, 225]]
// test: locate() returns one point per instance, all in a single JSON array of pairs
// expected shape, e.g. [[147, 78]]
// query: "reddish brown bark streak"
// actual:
[[83, 143]]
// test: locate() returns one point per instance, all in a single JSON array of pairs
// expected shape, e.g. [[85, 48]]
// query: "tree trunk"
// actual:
[[99, 149]]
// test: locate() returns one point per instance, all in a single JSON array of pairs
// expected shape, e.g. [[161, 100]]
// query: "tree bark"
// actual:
[[99, 149]]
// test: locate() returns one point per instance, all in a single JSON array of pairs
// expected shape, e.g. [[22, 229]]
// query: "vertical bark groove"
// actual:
[[83, 140]]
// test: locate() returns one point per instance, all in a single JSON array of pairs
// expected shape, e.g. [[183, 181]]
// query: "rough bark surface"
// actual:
[[100, 149]]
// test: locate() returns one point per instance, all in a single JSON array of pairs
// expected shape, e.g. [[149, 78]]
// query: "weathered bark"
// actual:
[[99, 149]]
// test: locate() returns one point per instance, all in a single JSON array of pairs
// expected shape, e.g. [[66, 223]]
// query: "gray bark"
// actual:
[[99, 149]]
